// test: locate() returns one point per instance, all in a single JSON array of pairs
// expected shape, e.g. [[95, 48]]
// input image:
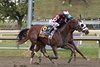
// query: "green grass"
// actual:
[[10, 25], [89, 52], [12, 43], [7, 25], [89, 48], [46, 9], [12, 52]]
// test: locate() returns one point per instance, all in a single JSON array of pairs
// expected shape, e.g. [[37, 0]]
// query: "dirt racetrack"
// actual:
[[61, 62]]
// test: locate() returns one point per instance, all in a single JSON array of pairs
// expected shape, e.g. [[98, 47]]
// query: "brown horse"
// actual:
[[62, 38]]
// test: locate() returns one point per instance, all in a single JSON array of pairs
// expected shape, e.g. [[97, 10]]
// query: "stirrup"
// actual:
[[50, 37], [51, 34], [47, 34]]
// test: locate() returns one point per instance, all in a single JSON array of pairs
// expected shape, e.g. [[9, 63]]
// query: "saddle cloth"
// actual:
[[44, 30]]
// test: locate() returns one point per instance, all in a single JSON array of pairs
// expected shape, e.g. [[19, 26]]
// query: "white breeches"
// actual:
[[54, 24]]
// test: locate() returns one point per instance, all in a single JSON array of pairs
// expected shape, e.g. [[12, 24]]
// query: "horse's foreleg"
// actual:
[[54, 48], [43, 50], [80, 53], [69, 46], [73, 51], [71, 56], [78, 50]]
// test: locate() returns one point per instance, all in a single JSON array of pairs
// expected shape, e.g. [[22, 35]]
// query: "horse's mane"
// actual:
[[62, 27]]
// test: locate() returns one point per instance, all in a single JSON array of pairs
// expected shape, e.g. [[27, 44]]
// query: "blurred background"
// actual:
[[13, 16], [13, 13]]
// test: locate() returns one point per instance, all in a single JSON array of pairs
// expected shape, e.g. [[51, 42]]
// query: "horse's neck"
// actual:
[[71, 31], [64, 32], [70, 34], [67, 32]]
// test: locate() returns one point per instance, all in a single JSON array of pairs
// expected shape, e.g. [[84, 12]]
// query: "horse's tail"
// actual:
[[22, 36]]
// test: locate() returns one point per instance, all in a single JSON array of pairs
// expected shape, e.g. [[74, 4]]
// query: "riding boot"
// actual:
[[51, 35], [49, 32]]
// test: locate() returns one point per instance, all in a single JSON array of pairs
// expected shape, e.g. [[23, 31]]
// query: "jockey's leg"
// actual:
[[49, 32]]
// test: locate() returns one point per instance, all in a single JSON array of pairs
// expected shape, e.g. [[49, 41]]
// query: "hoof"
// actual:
[[22, 66], [15, 65], [55, 63], [36, 63], [88, 59]]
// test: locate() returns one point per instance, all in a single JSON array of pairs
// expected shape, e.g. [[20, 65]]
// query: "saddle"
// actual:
[[44, 30]]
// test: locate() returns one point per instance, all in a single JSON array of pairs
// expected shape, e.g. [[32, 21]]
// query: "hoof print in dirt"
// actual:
[[36, 63], [22, 66]]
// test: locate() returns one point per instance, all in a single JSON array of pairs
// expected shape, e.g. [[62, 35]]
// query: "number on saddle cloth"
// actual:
[[45, 29]]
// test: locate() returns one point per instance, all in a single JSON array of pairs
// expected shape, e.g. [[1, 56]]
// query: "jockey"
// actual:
[[58, 20]]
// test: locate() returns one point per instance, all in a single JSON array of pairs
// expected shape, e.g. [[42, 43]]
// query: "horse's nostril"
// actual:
[[85, 31]]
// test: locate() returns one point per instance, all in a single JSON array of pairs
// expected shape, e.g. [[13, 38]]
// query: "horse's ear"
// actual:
[[74, 19], [79, 19]]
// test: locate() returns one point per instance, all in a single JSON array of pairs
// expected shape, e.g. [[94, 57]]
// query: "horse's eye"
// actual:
[[82, 25], [23, 37]]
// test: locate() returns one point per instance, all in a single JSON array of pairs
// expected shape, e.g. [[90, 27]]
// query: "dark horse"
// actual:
[[62, 38]]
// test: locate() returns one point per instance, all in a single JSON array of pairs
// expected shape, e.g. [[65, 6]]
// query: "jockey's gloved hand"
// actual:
[[55, 28], [70, 17], [56, 24]]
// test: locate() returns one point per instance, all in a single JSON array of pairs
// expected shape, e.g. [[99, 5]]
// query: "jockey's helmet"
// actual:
[[67, 15], [65, 12]]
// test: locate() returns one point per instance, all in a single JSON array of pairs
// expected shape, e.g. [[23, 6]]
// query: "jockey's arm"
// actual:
[[55, 23], [70, 17], [55, 18]]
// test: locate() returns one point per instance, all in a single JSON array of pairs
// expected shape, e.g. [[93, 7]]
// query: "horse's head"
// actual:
[[77, 24], [83, 26], [22, 37]]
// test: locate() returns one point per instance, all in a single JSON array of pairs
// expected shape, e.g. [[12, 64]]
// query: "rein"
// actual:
[[62, 28]]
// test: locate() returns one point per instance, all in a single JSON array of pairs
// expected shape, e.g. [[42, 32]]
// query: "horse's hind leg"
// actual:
[[38, 47], [43, 50], [32, 53]]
